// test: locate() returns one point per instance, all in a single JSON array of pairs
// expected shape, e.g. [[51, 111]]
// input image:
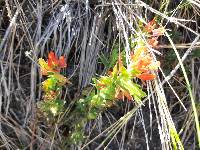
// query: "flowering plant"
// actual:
[[117, 84], [52, 86]]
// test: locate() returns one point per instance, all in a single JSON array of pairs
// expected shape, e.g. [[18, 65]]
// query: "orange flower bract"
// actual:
[[152, 42], [121, 94], [53, 64], [150, 26], [56, 63], [52, 60], [62, 62], [146, 76], [144, 64]]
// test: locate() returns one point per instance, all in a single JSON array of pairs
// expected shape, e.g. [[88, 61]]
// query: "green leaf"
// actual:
[[106, 80], [96, 101], [124, 73], [78, 134], [104, 60], [196, 53], [51, 107], [108, 92], [114, 57], [49, 84], [92, 114], [110, 61], [133, 72], [133, 89]]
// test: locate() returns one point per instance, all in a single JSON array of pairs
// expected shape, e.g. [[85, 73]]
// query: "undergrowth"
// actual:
[[99, 74]]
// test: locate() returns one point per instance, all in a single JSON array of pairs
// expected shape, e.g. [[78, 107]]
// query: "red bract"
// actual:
[[141, 63], [62, 62], [56, 63], [52, 60], [147, 76], [150, 26], [144, 64], [53, 64], [152, 42]]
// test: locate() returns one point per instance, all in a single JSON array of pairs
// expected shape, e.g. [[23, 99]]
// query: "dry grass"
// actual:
[[82, 31]]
